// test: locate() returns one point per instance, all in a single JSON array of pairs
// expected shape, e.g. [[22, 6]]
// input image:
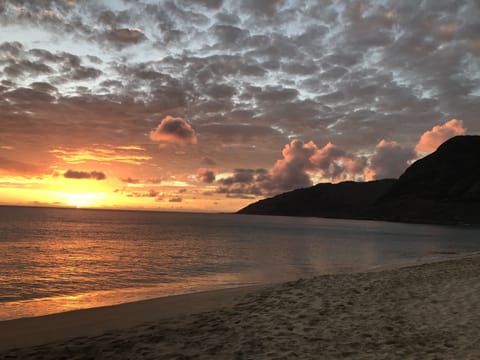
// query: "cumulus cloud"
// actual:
[[300, 164], [301, 159], [73, 174], [174, 130], [390, 160], [432, 139], [206, 175]]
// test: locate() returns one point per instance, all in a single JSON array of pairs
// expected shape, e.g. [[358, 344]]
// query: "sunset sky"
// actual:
[[208, 105]]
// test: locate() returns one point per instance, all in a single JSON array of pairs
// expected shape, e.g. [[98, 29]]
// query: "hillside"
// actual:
[[443, 187], [344, 200]]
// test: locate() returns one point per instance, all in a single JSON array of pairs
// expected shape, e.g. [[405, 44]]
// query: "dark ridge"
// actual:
[[441, 188], [344, 200]]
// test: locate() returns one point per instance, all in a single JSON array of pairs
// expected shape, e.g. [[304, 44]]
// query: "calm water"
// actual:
[[54, 260]]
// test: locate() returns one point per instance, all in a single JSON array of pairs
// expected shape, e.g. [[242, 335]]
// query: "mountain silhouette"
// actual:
[[442, 188]]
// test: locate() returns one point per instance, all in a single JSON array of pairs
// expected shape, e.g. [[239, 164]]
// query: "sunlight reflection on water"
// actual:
[[54, 260]]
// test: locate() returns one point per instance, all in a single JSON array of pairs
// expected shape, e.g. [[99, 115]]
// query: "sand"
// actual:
[[430, 311]]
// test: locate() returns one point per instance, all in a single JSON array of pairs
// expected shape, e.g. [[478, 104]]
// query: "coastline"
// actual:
[[426, 308]]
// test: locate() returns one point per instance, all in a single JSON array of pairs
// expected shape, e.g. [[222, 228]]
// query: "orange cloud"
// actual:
[[174, 130], [123, 154], [432, 139]]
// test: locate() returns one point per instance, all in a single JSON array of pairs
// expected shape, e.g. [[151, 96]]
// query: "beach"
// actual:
[[427, 311]]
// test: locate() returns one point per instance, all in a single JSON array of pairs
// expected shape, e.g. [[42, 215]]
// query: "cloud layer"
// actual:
[[346, 89]]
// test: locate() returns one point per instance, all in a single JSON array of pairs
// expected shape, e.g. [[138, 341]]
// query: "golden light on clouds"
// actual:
[[134, 155], [210, 111]]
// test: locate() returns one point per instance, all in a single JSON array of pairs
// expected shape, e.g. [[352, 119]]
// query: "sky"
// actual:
[[209, 105]]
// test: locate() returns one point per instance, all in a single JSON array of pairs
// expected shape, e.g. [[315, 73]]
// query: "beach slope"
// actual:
[[426, 311]]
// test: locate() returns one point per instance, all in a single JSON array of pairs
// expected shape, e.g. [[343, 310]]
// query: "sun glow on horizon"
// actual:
[[80, 200]]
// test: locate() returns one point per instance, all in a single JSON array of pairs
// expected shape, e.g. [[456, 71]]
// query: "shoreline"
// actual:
[[128, 318], [32, 331]]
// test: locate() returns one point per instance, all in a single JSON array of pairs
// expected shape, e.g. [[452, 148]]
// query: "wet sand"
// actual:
[[429, 311]]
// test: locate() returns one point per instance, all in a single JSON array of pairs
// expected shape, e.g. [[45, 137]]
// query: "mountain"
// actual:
[[344, 200], [443, 187]]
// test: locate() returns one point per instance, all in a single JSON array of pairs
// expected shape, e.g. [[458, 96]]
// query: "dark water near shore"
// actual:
[[54, 260]]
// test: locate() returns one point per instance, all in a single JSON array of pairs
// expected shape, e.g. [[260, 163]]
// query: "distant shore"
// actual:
[[423, 311]]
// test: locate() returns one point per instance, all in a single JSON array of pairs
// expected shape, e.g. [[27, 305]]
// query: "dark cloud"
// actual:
[[277, 94], [43, 87], [27, 96], [206, 175], [212, 4], [226, 18], [264, 7], [175, 199], [130, 180], [174, 130], [145, 194], [11, 49], [229, 35], [73, 174], [84, 73], [243, 183], [26, 67], [126, 36]]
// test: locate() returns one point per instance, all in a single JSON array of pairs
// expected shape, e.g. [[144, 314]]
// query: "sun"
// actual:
[[80, 200]]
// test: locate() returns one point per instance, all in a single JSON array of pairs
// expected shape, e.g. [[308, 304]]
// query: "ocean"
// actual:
[[54, 260]]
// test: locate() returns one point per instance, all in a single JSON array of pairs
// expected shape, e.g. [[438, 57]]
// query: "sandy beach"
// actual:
[[429, 311]]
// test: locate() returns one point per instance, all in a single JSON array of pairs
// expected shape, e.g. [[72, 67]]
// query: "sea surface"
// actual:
[[54, 260]]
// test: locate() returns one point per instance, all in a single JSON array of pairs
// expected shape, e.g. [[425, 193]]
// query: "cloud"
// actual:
[[130, 180], [137, 181], [302, 159], [123, 154], [146, 194], [73, 174], [212, 4], [175, 199], [243, 183], [264, 7], [300, 164], [126, 36], [432, 139], [8, 166], [390, 160], [206, 175], [174, 130]]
